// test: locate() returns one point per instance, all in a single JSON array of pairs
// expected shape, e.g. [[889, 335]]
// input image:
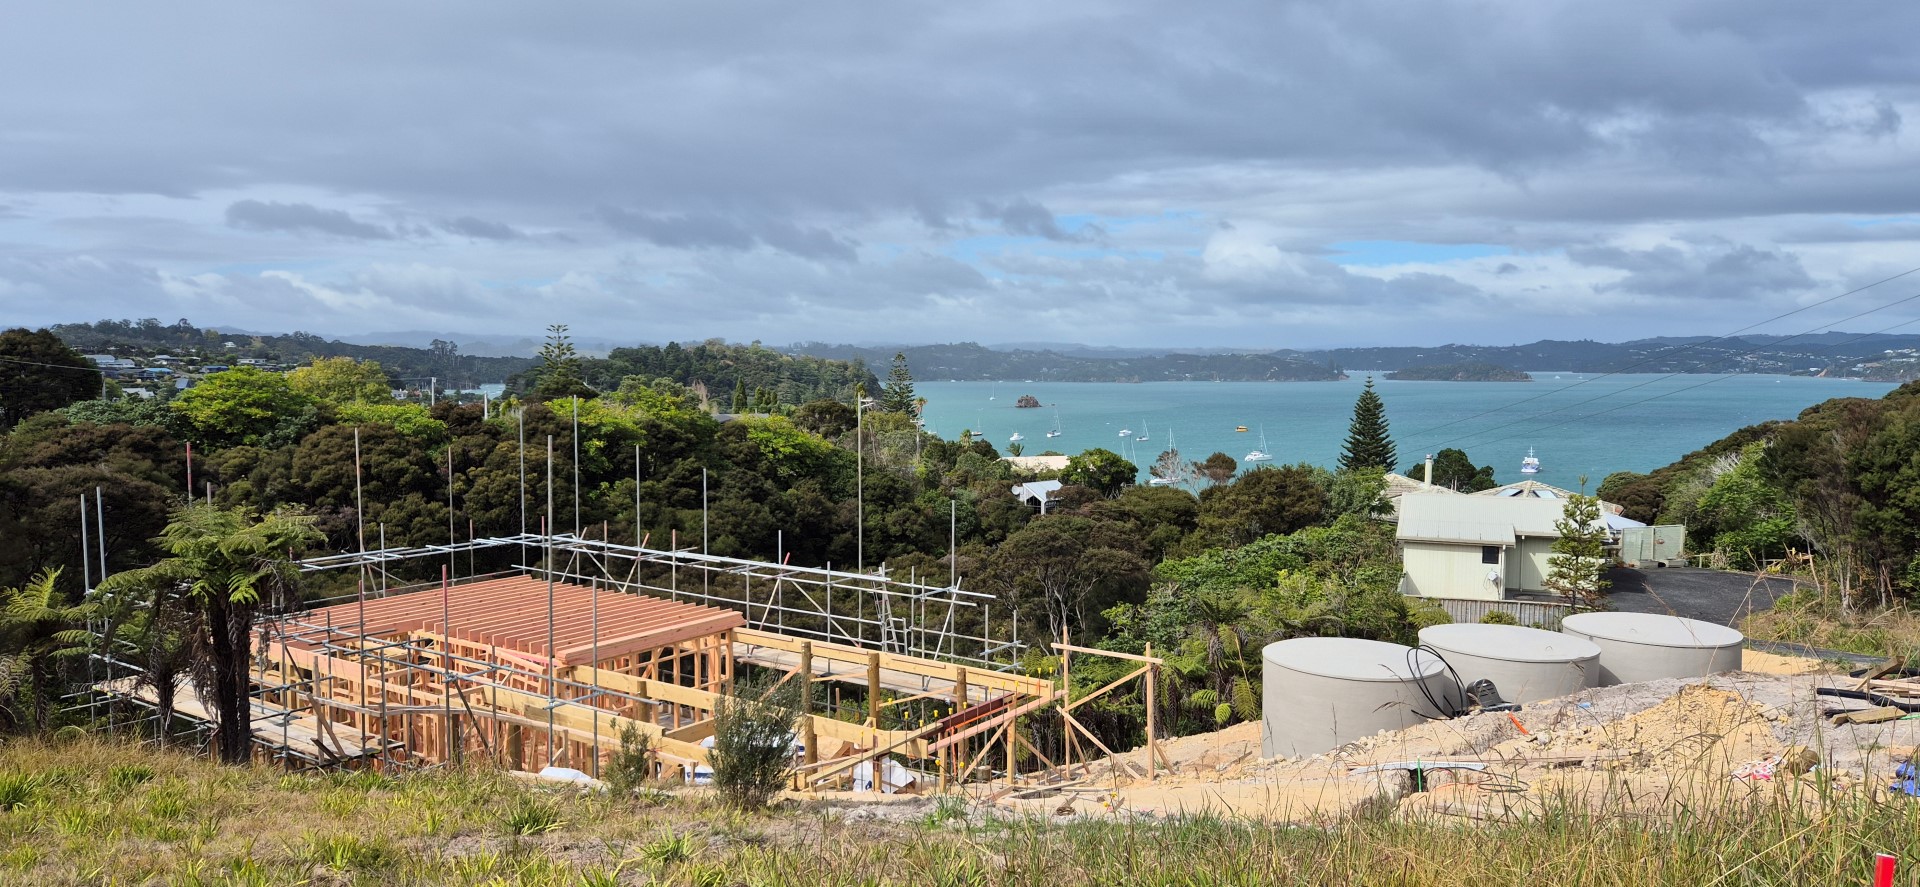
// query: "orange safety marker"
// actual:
[[1883, 866], [1516, 724]]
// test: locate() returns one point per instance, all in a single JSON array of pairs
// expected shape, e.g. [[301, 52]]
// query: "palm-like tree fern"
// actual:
[[39, 630]]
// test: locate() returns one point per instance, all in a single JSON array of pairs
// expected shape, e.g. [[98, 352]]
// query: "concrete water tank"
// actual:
[[1638, 647], [1321, 693], [1524, 664]]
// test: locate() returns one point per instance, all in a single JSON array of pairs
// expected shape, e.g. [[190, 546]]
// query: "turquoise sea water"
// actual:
[[1576, 424]]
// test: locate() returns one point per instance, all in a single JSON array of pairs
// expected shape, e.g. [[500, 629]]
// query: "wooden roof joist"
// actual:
[[515, 614]]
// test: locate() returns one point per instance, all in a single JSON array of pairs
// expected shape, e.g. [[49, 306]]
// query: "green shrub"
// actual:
[[1499, 617], [752, 744], [631, 766]]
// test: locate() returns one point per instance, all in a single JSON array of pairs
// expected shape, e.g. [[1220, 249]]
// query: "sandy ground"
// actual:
[[1653, 746]]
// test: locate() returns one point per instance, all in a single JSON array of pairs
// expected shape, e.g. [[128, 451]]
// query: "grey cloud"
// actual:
[[683, 231], [1890, 232], [301, 218], [787, 158], [1028, 218], [469, 226], [1716, 270], [709, 231]]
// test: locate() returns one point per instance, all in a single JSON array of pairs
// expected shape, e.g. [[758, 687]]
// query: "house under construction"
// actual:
[[548, 667]]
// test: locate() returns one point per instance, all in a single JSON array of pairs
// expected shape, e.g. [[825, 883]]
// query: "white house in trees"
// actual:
[[1477, 547]]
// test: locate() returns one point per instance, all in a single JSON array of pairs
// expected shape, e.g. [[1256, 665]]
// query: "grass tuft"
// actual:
[[531, 815]]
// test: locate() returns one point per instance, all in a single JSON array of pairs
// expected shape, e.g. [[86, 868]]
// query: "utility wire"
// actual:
[[1719, 378], [52, 366], [1658, 379], [1669, 354]]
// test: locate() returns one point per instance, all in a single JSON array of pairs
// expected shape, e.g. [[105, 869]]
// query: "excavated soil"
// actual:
[[1656, 747]]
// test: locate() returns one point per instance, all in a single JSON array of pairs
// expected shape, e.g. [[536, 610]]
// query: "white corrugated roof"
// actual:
[[1042, 490], [1483, 520]]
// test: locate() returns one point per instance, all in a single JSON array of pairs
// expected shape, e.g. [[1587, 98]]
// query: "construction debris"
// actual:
[[1656, 746]]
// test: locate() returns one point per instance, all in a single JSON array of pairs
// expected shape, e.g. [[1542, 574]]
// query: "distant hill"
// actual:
[[971, 361], [1471, 371], [445, 362]]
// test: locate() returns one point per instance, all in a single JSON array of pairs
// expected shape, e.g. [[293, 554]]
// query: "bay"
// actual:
[[1577, 424]]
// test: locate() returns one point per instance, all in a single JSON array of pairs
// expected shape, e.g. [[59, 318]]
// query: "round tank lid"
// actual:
[[1352, 659], [1512, 643], [1653, 629]]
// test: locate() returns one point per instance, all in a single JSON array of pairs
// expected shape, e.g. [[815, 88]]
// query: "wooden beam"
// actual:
[[1117, 655]]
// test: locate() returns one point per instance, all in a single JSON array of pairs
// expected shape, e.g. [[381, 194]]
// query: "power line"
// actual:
[[1669, 354], [51, 366], [1720, 378], [1658, 379]]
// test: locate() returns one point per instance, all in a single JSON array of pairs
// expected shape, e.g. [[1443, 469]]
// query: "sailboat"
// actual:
[[1056, 425], [1530, 465], [1142, 436], [996, 391], [1017, 437], [1260, 455], [1159, 481]]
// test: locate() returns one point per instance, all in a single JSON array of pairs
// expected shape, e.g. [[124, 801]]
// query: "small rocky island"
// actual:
[[1027, 402], [1471, 371]]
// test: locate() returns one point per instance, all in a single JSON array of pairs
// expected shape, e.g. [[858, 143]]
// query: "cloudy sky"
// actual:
[[1250, 174]]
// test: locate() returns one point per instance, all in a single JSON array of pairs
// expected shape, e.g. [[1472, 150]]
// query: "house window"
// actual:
[[1489, 554]]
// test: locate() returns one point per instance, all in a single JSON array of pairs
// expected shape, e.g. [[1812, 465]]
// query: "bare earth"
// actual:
[[1657, 746]]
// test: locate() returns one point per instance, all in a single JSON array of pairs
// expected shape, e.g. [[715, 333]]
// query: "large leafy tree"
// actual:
[[1103, 470], [246, 406], [1453, 470], [1369, 444], [220, 563], [48, 464], [1068, 568], [1217, 468], [1261, 503], [38, 630], [342, 380], [38, 372]]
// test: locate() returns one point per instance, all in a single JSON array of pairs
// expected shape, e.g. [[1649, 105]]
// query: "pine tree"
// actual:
[[897, 395], [1368, 444], [559, 373], [739, 397], [1577, 566]]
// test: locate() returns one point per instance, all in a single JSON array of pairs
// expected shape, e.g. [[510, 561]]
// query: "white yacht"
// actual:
[[1261, 454], [1016, 438], [1530, 465]]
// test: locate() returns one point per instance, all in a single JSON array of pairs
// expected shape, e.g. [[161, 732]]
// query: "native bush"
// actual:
[[753, 744], [631, 766]]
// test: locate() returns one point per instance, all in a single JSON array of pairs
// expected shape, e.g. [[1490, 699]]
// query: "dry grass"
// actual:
[[1816, 620], [101, 813]]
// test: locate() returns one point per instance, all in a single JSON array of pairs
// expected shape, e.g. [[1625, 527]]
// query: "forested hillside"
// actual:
[[1837, 482]]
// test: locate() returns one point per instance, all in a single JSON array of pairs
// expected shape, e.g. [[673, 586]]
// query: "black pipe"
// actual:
[[1875, 698]]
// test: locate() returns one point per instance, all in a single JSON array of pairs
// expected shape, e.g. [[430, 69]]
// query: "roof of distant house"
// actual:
[[1477, 520], [1534, 489], [1039, 490], [1037, 463]]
